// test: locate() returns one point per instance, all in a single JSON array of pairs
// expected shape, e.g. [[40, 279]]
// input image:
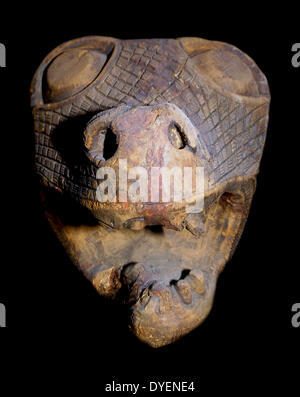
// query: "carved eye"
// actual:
[[101, 144], [177, 136], [70, 72]]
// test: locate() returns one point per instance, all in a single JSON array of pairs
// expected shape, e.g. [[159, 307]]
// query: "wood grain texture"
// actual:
[[188, 102]]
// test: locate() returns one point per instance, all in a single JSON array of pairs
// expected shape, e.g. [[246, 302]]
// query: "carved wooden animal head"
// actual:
[[106, 110]]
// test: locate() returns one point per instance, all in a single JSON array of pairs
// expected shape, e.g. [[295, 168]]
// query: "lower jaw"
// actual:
[[163, 311], [160, 311]]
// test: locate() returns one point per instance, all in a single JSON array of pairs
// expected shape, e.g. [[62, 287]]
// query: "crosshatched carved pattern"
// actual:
[[150, 72], [185, 102]]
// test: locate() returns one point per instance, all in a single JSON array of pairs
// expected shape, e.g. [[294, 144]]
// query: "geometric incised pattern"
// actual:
[[148, 72]]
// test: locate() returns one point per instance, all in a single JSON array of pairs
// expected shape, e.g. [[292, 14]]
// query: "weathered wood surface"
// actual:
[[187, 102]]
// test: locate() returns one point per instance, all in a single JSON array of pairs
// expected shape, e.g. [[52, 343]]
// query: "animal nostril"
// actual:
[[177, 136], [110, 144], [102, 145], [232, 198]]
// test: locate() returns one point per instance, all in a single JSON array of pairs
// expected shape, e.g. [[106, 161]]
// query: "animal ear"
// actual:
[[226, 66], [70, 68]]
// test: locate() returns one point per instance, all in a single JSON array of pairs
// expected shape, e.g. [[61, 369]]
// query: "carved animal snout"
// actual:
[[147, 136], [156, 144], [168, 104]]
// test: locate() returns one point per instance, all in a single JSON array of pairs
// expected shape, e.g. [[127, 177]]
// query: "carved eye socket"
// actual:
[[176, 136], [101, 145], [70, 72]]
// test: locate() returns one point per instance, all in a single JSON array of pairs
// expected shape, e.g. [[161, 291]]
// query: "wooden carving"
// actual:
[[101, 104]]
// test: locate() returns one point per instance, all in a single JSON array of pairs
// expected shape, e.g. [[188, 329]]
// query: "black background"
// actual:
[[54, 317]]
